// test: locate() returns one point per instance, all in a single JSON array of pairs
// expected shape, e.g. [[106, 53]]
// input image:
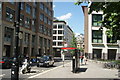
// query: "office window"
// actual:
[[21, 20], [59, 43], [22, 6], [10, 14], [60, 26], [95, 19], [26, 39], [41, 6], [41, 17], [34, 3], [41, 41], [48, 32], [96, 36], [54, 37], [34, 12], [45, 8], [60, 32], [60, 37], [27, 22], [28, 8], [33, 25], [54, 26], [54, 32], [41, 28], [54, 43], [45, 19]]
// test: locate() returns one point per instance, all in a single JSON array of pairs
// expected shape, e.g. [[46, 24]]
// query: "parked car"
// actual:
[[45, 61], [6, 62]]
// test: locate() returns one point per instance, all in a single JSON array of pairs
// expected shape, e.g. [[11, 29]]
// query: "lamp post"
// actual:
[[15, 65]]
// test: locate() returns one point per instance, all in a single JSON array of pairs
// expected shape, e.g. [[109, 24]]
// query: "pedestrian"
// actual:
[[85, 60], [81, 58]]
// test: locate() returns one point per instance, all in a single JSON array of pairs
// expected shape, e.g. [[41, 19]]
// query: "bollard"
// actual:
[[119, 73], [73, 65]]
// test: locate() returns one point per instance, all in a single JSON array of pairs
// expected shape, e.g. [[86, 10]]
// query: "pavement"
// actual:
[[91, 70]]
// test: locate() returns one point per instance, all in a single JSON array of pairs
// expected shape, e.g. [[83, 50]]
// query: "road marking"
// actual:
[[2, 75], [47, 71]]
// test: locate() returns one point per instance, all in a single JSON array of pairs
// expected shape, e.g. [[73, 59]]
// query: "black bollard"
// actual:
[[73, 65]]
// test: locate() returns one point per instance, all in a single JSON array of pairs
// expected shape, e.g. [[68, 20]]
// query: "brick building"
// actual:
[[35, 25]]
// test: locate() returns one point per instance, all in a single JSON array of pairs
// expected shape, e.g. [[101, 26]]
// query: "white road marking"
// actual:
[[47, 71], [2, 75]]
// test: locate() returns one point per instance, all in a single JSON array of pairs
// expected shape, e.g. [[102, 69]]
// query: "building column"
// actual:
[[36, 44]]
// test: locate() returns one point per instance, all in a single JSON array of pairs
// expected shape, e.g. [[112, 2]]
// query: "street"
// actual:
[[6, 73]]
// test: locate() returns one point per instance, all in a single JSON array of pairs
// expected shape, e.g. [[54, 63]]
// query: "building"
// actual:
[[97, 43], [36, 20], [80, 41], [62, 36]]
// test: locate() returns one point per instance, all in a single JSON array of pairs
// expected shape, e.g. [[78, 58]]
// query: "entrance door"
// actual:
[[97, 53], [112, 54]]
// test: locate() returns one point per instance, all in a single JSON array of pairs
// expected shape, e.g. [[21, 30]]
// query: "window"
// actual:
[[27, 22], [41, 17], [0, 9], [59, 43], [45, 19], [46, 9], [96, 36], [95, 19], [33, 39], [41, 41], [54, 32], [41, 6], [34, 3], [45, 31], [11, 1], [54, 37], [22, 6], [41, 28], [60, 32], [60, 37], [34, 12], [33, 25], [54, 43], [45, 42], [60, 26], [54, 26], [26, 39], [10, 14], [28, 9], [21, 20]]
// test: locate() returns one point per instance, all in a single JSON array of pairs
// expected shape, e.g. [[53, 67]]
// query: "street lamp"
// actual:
[[15, 65]]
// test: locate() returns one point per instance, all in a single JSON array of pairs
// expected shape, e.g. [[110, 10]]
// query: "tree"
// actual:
[[111, 19], [73, 43]]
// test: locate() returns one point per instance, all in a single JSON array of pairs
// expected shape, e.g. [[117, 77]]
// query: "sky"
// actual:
[[71, 13]]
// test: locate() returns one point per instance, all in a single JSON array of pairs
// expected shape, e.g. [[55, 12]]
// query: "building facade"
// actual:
[[35, 25], [80, 41], [62, 36], [97, 43]]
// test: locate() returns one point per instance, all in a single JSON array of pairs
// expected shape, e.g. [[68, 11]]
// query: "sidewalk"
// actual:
[[91, 70]]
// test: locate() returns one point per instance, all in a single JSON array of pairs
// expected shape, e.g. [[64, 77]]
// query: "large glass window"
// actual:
[[54, 26], [10, 14], [54, 32], [54, 37], [60, 26], [54, 43], [21, 20], [22, 6], [28, 8], [33, 25], [27, 22], [45, 19], [96, 18], [59, 43], [41, 28], [41, 17], [60, 31], [41, 6], [96, 36], [34, 12], [60, 37]]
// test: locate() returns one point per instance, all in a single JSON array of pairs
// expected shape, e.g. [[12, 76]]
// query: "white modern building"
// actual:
[[62, 36], [97, 43]]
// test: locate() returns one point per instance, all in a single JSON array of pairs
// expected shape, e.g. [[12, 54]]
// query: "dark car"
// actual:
[[45, 61], [6, 62]]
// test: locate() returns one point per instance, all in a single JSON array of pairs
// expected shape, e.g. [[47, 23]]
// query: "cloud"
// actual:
[[53, 6], [65, 17]]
